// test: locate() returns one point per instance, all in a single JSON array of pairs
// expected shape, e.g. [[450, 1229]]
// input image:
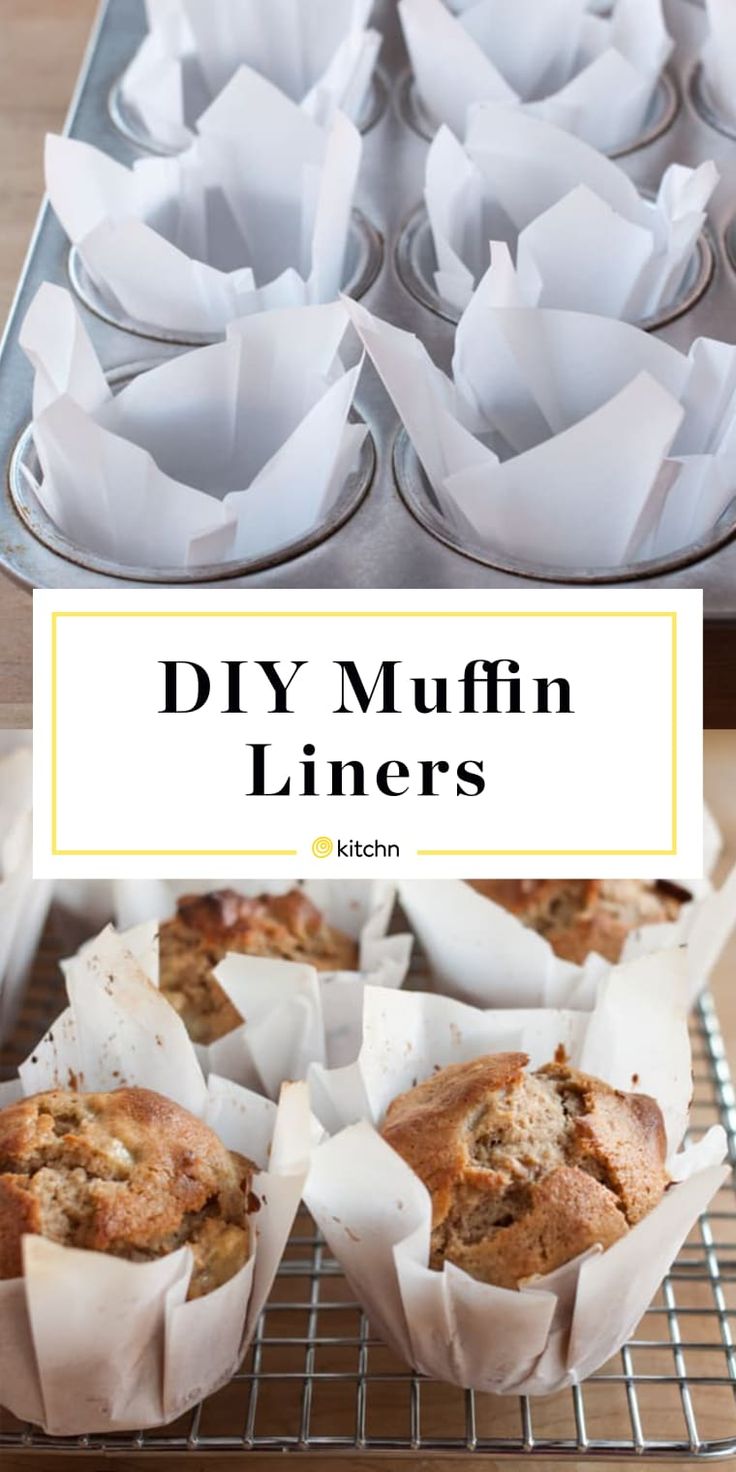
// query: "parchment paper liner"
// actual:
[[595, 76], [581, 235], [719, 58], [376, 1215], [24, 901], [92, 1343], [217, 454], [482, 954], [321, 55], [294, 1015], [227, 228], [564, 439]]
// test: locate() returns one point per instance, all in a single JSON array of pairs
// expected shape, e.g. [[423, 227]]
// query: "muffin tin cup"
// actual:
[[419, 498], [706, 107], [416, 263], [24, 466], [662, 113], [134, 130], [364, 258]]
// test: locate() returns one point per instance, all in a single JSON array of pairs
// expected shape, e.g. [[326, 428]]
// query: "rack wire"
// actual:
[[317, 1380]]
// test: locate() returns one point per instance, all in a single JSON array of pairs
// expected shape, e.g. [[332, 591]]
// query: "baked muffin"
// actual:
[[527, 1171], [578, 916], [128, 1173], [206, 927]]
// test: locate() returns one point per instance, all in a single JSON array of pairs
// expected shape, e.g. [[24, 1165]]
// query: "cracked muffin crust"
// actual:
[[206, 927], [128, 1173], [578, 916], [527, 1171]]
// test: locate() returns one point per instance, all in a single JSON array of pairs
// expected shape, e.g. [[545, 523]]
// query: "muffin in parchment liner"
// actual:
[[377, 1215], [294, 1014], [482, 953], [321, 55], [91, 1342], [24, 901]]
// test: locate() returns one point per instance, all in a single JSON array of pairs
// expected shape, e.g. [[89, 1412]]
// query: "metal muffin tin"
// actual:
[[393, 536]]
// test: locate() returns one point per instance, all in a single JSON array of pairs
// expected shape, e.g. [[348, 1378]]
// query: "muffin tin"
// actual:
[[393, 535], [317, 1380]]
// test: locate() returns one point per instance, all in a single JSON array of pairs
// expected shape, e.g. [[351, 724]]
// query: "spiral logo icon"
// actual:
[[322, 847]]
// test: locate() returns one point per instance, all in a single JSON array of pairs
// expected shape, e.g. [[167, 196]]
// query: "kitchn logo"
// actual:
[[353, 848]]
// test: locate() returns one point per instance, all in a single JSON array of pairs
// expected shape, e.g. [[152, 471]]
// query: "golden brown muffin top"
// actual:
[[129, 1173], [206, 927], [500, 1149], [287, 925], [578, 916]]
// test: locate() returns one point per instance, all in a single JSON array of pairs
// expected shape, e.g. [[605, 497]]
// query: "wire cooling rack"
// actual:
[[317, 1380]]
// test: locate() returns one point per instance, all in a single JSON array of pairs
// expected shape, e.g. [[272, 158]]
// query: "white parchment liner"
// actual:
[[294, 1015], [484, 955], [564, 440], [222, 453], [224, 229], [89, 1342], [376, 1214], [581, 235], [593, 75], [719, 57], [24, 901], [321, 55]]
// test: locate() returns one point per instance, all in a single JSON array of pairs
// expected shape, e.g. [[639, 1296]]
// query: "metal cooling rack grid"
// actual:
[[316, 1380]]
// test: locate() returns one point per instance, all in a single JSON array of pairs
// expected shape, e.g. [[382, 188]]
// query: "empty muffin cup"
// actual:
[[706, 105], [322, 56], [416, 264], [195, 469], [662, 112], [363, 263], [132, 126], [419, 498], [182, 247]]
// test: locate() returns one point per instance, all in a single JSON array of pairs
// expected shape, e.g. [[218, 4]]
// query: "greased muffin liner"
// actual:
[[91, 1343], [376, 1215], [24, 901], [482, 954], [294, 1014]]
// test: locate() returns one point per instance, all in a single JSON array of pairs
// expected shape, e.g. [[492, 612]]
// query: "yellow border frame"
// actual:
[[358, 613]]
